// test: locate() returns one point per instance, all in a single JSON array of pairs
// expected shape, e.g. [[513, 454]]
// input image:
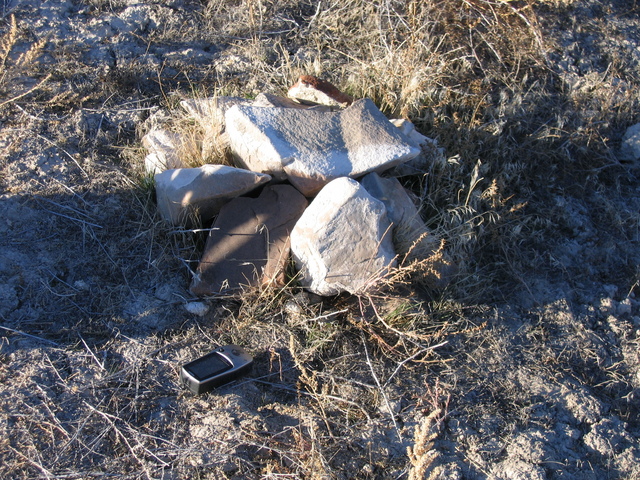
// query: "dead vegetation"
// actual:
[[17, 78], [370, 386]]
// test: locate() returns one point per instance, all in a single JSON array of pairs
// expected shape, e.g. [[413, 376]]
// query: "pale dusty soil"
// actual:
[[540, 382]]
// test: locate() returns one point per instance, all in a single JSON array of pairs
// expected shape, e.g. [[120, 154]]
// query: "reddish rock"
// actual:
[[315, 90], [269, 100], [249, 244]]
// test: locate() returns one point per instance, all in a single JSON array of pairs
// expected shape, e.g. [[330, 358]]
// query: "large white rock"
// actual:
[[311, 148], [342, 242], [163, 151], [210, 112], [188, 195]]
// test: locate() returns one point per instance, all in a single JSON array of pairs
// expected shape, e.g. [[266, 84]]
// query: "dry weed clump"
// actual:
[[17, 76], [422, 454], [201, 145]]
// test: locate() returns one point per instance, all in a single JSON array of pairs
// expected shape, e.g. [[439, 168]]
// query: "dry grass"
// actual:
[[474, 74]]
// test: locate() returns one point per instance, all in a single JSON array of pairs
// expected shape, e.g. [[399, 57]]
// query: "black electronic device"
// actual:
[[221, 366]]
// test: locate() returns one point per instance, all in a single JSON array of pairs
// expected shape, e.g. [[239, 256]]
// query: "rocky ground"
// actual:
[[525, 367]]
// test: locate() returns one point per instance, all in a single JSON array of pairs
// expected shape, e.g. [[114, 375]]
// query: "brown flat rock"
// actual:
[[250, 242]]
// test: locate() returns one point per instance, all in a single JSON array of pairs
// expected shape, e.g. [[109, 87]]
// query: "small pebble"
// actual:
[[197, 308], [293, 309], [624, 307]]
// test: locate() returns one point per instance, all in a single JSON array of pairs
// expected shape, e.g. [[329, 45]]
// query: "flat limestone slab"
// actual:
[[210, 112], [310, 148], [250, 242], [185, 195], [343, 240]]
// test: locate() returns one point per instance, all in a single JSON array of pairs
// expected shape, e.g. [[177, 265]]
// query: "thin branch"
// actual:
[[384, 395], [19, 332], [24, 94]]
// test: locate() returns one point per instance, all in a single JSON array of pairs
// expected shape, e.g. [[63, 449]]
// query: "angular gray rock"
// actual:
[[411, 238], [343, 241], [210, 115], [401, 211], [430, 154], [163, 151], [249, 244], [210, 112], [311, 148], [188, 195], [252, 132], [409, 129]]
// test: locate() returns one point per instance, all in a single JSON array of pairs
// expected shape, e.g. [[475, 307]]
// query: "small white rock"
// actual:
[[197, 308], [163, 151], [291, 308], [624, 307], [81, 285], [630, 149]]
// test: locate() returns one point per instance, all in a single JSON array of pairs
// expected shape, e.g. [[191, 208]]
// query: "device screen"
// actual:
[[208, 366]]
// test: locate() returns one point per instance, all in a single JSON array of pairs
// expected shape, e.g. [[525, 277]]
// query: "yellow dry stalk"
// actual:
[[8, 41], [9, 71], [30, 55], [24, 94], [422, 454]]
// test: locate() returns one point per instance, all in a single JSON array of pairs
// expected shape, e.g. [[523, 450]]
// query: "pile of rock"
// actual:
[[293, 193]]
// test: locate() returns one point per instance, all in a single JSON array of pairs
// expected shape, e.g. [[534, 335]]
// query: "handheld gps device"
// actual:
[[221, 366]]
